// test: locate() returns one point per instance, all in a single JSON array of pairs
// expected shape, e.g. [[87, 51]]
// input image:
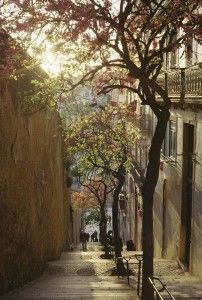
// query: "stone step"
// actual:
[[75, 287], [71, 293], [77, 297]]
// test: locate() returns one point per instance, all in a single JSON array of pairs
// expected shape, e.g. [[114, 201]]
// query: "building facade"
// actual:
[[178, 194]]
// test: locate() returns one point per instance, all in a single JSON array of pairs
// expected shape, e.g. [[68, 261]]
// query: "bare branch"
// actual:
[[109, 88]]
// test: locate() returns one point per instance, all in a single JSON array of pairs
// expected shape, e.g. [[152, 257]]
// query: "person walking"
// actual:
[[83, 239], [95, 236], [92, 237], [87, 237]]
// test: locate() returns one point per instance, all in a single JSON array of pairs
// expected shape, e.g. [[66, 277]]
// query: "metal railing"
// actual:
[[139, 258], [159, 287], [133, 260], [183, 83], [127, 260]]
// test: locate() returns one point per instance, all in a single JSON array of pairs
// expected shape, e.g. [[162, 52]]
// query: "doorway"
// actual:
[[187, 185]]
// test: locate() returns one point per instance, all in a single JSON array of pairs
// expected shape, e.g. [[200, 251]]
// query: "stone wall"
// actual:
[[33, 200]]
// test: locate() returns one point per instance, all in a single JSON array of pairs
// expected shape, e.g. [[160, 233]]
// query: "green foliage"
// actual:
[[93, 217], [35, 94], [101, 140], [46, 92]]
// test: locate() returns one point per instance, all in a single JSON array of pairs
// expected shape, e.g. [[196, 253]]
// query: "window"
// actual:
[[172, 139], [165, 145]]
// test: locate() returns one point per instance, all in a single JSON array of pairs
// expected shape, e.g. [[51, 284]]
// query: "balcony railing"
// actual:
[[183, 84]]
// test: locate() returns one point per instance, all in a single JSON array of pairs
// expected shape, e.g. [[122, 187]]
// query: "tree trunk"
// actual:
[[117, 242], [103, 231], [149, 185]]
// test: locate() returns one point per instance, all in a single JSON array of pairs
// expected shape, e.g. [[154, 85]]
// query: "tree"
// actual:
[[102, 144], [93, 217], [84, 201], [130, 36], [94, 194]]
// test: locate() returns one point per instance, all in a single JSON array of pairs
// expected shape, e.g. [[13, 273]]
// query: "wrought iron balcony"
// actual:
[[183, 84]]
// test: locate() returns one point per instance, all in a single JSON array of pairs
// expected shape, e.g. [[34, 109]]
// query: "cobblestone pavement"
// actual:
[[181, 284], [77, 275], [84, 275]]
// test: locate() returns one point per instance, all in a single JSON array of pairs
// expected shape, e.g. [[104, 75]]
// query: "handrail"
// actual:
[[139, 258], [159, 290], [127, 259]]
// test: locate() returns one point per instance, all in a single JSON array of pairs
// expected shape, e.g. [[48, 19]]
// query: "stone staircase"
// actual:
[[78, 276], [84, 276]]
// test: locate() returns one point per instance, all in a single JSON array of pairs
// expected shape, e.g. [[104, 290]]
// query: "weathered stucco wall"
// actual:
[[33, 205], [172, 199]]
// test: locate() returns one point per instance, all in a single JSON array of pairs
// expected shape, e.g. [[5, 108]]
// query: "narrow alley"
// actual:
[[77, 275], [100, 150], [84, 275]]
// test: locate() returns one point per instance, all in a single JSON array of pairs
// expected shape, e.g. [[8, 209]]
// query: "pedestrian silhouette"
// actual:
[[83, 239], [95, 236]]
